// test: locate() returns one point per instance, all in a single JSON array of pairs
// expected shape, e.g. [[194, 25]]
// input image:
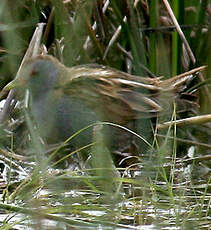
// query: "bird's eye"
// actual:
[[34, 72]]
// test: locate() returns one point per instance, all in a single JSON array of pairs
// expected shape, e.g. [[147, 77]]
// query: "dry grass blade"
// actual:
[[188, 49], [31, 52], [187, 141], [181, 34], [14, 156], [187, 121], [114, 38]]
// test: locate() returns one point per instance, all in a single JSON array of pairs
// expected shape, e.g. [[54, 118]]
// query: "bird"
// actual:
[[67, 99]]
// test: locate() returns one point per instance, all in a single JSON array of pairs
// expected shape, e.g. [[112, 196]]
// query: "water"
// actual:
[[170, 197]]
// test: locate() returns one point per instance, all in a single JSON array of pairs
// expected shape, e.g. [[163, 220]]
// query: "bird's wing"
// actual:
[[117, 94], [128, 96]]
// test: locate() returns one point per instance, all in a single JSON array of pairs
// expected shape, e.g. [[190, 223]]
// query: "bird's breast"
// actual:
[[60, 118]]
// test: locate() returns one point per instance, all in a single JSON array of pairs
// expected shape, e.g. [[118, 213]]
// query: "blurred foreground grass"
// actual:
[[169, 185]]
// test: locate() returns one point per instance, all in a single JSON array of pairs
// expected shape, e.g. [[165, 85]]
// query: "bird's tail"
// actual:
[[184, 92]]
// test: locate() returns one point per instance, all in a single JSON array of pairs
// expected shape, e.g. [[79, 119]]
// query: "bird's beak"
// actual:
[[16, 83]]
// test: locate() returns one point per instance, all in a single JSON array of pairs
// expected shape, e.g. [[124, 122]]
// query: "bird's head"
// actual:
[[39, 75]]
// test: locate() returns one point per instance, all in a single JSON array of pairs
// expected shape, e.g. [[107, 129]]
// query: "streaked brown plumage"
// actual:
[[86, 93]]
